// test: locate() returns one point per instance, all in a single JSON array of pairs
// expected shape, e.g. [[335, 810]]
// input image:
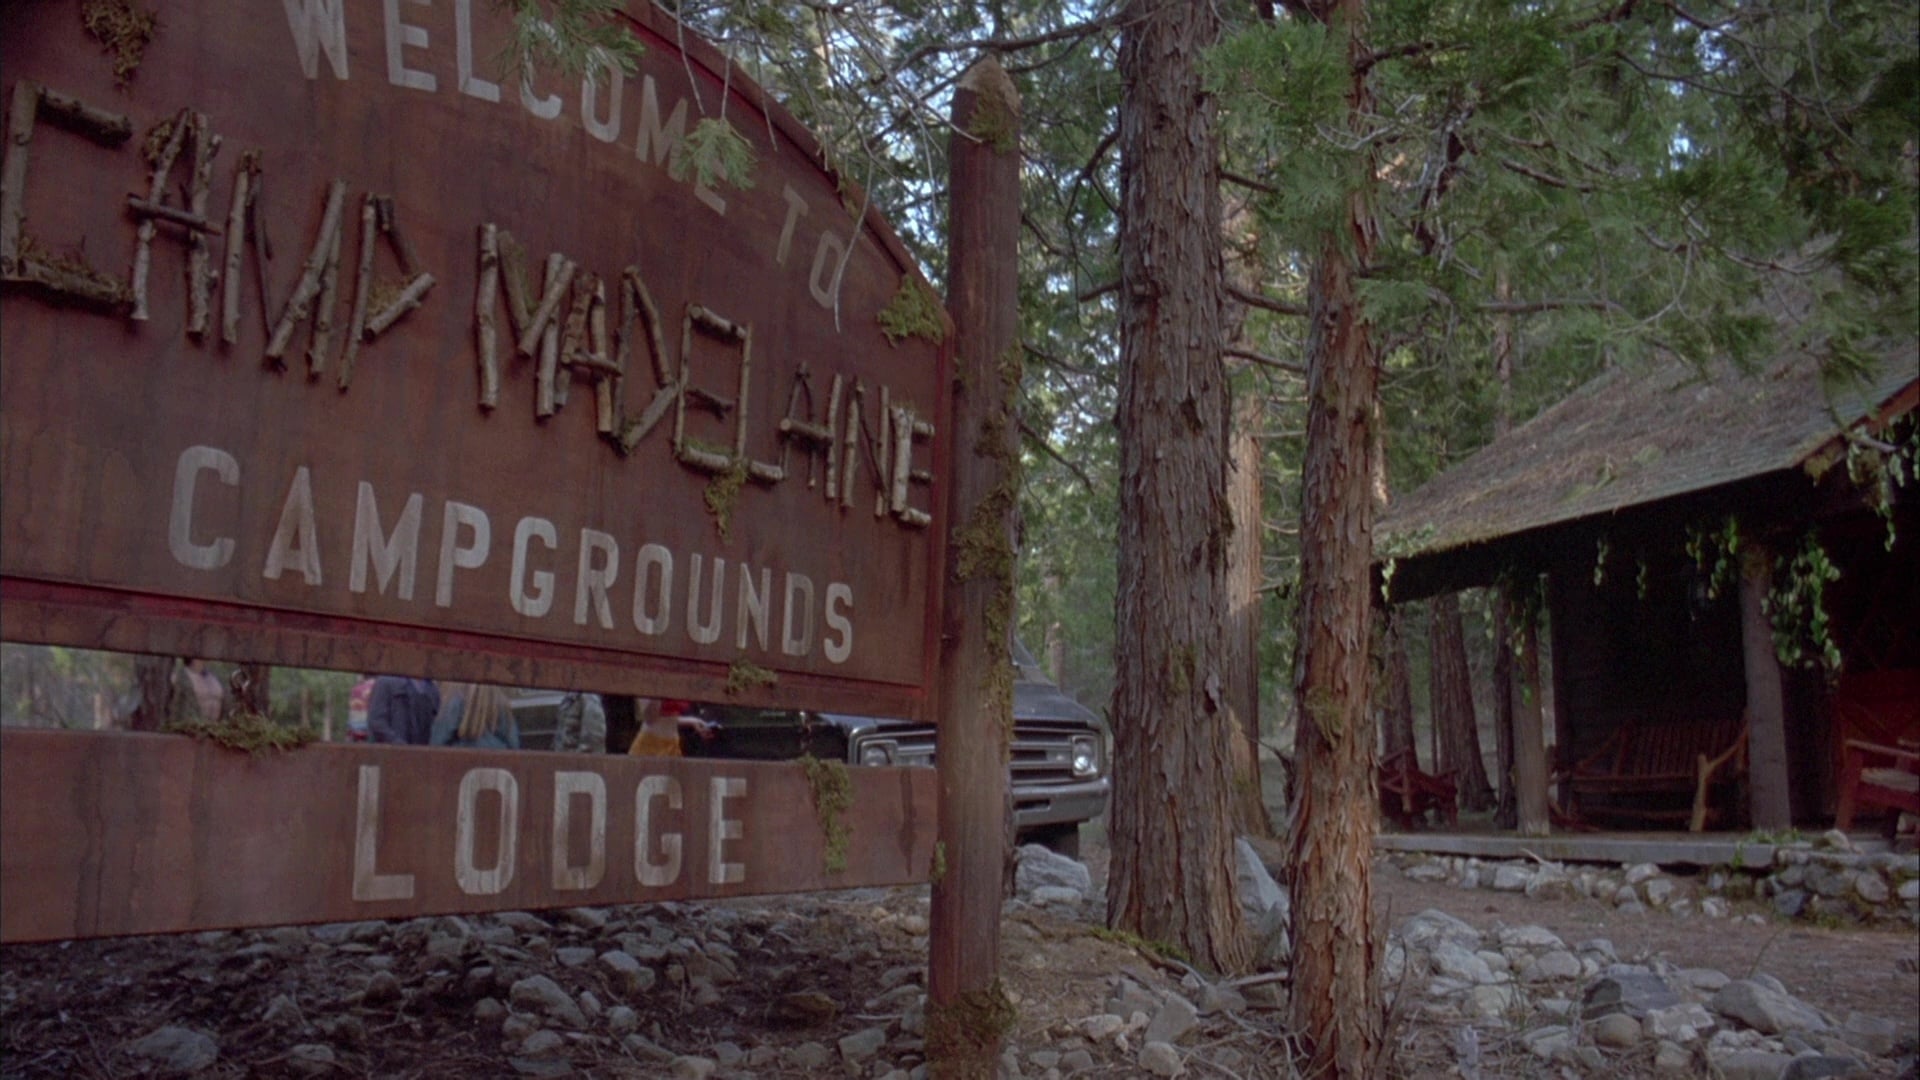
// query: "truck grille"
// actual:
[[1042, 753]]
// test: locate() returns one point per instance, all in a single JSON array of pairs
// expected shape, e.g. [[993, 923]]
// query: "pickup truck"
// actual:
[[1059, 767]]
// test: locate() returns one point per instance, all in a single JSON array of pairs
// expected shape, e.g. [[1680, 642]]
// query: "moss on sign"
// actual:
[[914, 311]]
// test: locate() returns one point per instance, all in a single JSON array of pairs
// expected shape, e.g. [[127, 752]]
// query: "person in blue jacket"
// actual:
[[476, 716], [402, 710]]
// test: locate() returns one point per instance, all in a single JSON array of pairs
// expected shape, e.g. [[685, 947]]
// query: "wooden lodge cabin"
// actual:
[[1651, 664]]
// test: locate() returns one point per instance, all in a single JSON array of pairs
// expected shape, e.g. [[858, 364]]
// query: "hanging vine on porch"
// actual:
[[1880, 468], [1796, 604]]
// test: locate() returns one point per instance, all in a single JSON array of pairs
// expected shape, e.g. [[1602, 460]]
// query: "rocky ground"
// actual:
[[1484, 981]]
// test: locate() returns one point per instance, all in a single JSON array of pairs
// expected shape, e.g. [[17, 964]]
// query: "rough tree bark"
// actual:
[[153, 677], [1454, 718], [1241, 650], [1335, 1004], [1172, 876]]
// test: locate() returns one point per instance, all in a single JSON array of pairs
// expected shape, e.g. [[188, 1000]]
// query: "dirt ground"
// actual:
[[69, 1009]]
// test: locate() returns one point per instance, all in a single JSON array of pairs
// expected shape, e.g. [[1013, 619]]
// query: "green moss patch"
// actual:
[[914, 311]]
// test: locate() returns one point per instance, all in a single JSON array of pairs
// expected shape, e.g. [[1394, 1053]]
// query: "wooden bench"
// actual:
[[1648, 772], [1406, 793], [1874, 775]]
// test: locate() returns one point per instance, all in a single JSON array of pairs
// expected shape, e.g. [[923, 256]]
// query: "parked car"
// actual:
[[1059, 767]]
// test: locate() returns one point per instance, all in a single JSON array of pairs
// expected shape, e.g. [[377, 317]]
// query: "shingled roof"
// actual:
[[1630, 438]]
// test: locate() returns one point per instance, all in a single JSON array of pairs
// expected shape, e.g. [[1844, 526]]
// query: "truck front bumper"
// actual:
[[1039, 805]]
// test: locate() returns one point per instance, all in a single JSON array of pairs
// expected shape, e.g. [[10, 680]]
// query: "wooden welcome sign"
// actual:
[[387, 360], [325, 341]]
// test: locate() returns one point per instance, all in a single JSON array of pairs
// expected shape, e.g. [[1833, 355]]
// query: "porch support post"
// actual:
[[1529, 737], [1772, 807]]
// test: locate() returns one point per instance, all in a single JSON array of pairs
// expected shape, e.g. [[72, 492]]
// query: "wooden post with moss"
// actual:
[[967, 1012]]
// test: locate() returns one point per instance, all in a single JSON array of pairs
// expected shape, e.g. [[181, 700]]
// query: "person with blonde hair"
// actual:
[[478, 716]]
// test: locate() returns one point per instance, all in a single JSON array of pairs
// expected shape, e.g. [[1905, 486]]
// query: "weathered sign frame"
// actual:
[[215, 354], [150, 408]]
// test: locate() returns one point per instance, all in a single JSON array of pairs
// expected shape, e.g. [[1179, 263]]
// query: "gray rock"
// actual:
[[543, 1043], [541, 1068], [586, 918], [1511, 877], [1549, 883], [1752, 1065], [1870, 1034], [1130, 997], [728, 1054], [1103, 1026], [1837, 841], [488, 1011], [1547, 1041], [1633, 907], [1659, 891], [1174, 1019], [1819, 1067], [1554, 964], [690, 1067], [861, 1046], [1871, 887], [1640, 872], [1268, 908], [1599, 947], [621, 1019], [1714, 908], [1829, 881], [1790, 903], [1705, 979], [1617, 1031], [1633, 993], [381, 989], [311, 1059], [1044, 1059], [1426, 871], [1454, 962], [1680, 1023], [518, 1026], [1672, 1058], [1528, 937], [1221, 999], [810, 1056], [281, 1010], [1050, 895], [1431, 926], [543, 995], [573, 956], [625, 972], [1161, 1059], [1910, 890], [176, 1049], [1493, 1002], [1038, 866], [1765, 1009]]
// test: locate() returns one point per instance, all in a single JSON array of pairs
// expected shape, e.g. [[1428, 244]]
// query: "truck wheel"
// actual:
[[1060, 839]]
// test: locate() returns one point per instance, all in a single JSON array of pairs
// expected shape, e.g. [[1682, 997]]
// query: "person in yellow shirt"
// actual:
[[660, 735]]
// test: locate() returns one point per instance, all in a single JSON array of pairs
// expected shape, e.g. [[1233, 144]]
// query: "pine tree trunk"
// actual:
[[153, 676], [1172, 876], [1453, 713], [1335, 1005], [1396, 708], [256, 695], [1241, 649]]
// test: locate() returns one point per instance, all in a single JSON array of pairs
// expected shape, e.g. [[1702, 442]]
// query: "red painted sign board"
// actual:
[[326, 342], [110, 834]]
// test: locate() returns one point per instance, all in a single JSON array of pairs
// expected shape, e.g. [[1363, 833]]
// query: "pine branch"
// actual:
[[1548, 179], [1006, 45], [1249, 183], [1265, 302], [1046, 447], [1288, 366]]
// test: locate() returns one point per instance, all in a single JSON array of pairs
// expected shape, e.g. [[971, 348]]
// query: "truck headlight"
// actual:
[[878, 752], [1086, 755]]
